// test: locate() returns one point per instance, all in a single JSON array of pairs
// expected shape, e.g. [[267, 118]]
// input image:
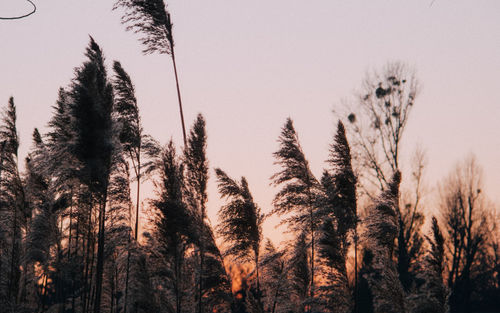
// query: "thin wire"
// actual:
[[21, 16]]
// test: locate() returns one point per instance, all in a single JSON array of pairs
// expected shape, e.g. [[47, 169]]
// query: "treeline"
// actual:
[[69, 228]]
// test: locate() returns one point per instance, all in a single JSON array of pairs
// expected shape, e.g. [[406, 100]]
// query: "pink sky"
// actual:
[[248, 65]]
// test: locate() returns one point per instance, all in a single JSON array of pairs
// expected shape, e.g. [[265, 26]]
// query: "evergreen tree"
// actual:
[[299, 191]]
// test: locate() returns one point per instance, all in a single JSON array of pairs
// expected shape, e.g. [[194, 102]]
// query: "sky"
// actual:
[[248, 65]]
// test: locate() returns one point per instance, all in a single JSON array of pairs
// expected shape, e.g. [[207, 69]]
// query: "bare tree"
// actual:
[[378, 121], [376, 127], [409, 248], [463, 209]]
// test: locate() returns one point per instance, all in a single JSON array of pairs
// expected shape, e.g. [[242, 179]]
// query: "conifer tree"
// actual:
[[241, 222], [299, 193], [152, 19]]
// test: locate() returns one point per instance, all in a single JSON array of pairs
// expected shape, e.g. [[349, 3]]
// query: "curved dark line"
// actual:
[[21, 16]]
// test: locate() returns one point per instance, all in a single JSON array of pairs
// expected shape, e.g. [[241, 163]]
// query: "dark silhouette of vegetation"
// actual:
[[381, 231], [152, 19], [72, 239], [241, 223], [377, 125], [340, 222], [299, 192]]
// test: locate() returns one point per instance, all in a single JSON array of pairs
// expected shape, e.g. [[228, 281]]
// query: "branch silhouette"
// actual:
[[21, 16]]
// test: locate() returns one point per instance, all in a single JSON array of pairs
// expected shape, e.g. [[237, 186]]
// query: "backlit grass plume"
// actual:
[[151, 19]]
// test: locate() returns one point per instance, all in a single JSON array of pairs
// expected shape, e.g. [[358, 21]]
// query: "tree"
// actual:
[[378, 122], [409, 249], [463, 210], [299, 191], [152, 19], [376, 126], [91, 111], [381, 231], [241, 222]]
